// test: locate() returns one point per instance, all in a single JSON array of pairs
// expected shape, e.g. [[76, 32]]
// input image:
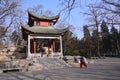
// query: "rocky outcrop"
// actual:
[[48, 63], [36, 64]]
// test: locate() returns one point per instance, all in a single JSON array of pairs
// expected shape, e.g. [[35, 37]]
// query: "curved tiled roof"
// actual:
[[44, 17], [43, 30]]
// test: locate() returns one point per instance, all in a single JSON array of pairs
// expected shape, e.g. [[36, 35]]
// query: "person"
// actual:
[[82, 62]]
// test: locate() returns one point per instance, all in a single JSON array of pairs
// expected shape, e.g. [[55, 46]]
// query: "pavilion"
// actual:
[[43, 39]]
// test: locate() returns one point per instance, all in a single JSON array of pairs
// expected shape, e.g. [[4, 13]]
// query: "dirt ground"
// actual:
[[100, 69]]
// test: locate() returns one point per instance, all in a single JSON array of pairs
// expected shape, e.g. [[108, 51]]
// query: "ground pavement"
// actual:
[[101, 69]]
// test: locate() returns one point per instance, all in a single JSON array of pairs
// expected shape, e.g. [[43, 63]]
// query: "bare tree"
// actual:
[[7, 13], [111, 5], [95, 18], [48, 13], [7, 7], [68, 5], [113, 8], [37, 9], [16, 35]]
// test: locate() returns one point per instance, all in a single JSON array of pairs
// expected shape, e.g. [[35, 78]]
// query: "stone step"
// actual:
[[48, 63], [37, 64]]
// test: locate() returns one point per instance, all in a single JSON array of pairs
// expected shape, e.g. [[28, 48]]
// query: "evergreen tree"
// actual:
[[87, 39], [67, 43], [70, 44], [95, 42], [106, 45], [115, 38], [86, 33]]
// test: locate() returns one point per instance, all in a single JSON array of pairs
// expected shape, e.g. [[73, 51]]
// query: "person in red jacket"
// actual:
[[82, 62]]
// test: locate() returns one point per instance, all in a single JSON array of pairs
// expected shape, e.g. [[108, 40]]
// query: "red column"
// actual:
[[34, 23], [48, 48], [54, 46], [34, 45]]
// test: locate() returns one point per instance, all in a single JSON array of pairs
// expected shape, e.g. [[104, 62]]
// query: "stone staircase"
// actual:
[[48, 63], [35, 64]]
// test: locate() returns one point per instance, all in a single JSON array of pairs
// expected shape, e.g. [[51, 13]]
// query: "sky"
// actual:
[[76, 19]]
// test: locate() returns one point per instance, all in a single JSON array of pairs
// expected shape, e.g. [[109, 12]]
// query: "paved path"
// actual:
[[102, 69]]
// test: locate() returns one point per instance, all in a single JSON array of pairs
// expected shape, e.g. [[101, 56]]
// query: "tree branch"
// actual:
[[111, 3]]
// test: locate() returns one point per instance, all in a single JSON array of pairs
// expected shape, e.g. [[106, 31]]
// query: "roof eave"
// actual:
[[50, 18]]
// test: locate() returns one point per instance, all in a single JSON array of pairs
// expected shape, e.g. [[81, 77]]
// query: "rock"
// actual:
[[36, 67], [91, 61], [4, 58]]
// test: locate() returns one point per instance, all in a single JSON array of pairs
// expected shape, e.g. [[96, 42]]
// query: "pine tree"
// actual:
[[106, 45], [95, 42], [115, 36], [87, 39], [104, 29]]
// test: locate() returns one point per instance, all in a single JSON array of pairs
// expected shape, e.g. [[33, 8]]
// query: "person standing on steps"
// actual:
[[82, 62]]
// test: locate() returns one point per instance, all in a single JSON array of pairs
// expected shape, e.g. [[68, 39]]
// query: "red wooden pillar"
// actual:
[[48, 48], [34, 46], [54, 46]]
